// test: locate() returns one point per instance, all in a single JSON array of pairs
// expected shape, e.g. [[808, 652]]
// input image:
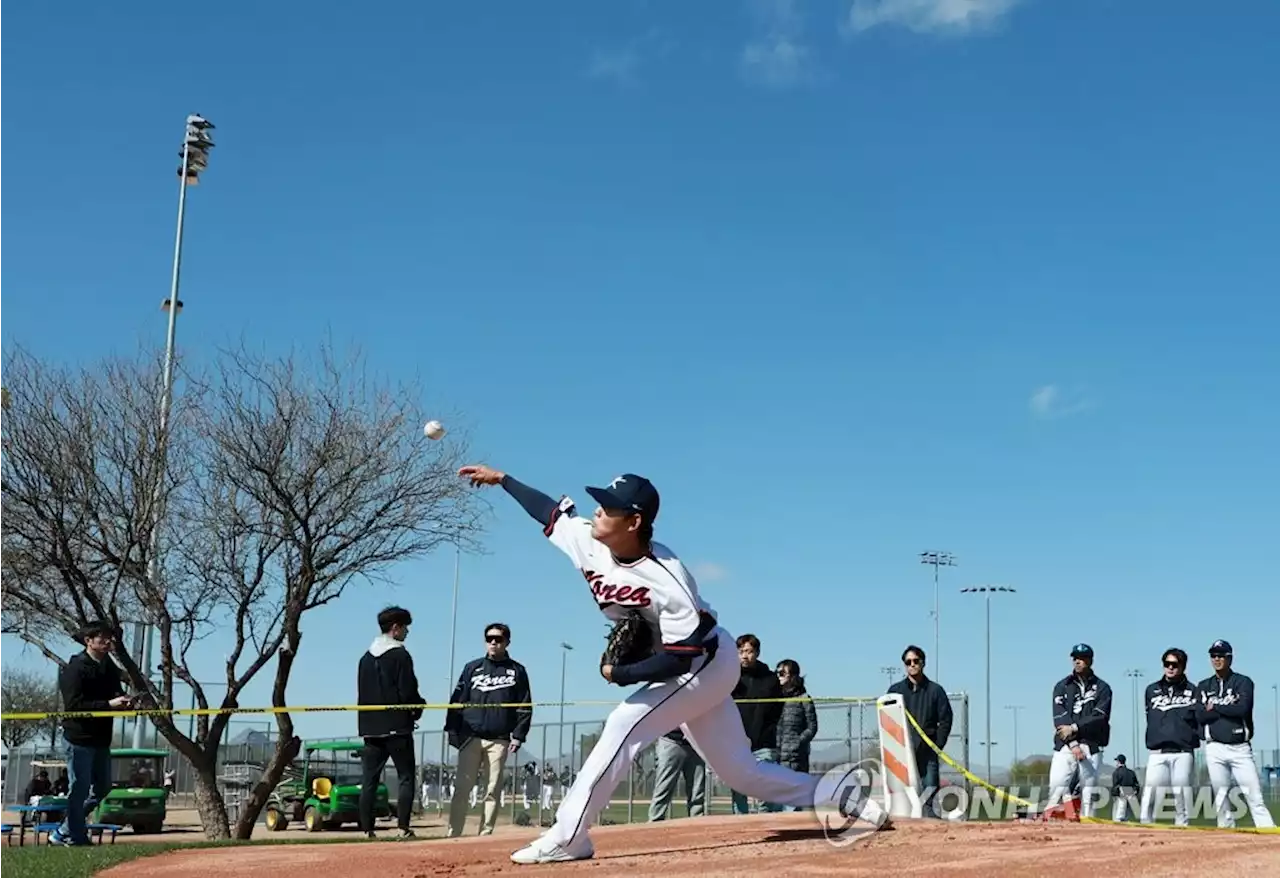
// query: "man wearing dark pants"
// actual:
[[386, 676], [927, 702], [90, 681]]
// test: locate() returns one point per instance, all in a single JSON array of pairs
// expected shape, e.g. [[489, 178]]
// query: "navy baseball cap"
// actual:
[[1220, 647], [1120, 759], [1082, 650], [631, 493]]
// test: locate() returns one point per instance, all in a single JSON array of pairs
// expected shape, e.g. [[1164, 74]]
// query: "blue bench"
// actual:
[[95, 830]]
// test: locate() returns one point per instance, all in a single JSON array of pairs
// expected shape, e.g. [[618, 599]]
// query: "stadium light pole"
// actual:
[[1015, 708], [453, 636], [937, 559], [1275, 691], [564, 664], [987, 591], [196, 144], [1134, 675], [889, 672]]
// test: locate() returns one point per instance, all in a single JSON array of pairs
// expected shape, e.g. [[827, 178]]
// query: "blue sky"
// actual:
[[847, 281]]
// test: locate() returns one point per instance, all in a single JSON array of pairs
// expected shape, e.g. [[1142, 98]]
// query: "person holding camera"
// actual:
[[89, 682]]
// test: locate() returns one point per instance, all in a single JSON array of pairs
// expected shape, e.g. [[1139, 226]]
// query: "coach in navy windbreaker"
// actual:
[[1172, 726], [1083, 701], [1231, 720]]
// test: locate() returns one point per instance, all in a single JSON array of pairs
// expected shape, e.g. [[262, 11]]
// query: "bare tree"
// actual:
[[27, 692], [284, 482]]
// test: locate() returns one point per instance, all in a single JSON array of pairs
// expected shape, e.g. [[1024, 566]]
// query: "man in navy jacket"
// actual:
[[485, 736], [1082, 728], [1225, 713], [928, 703]]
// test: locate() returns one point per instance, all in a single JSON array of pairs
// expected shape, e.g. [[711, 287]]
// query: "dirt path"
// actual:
[[781, 844]]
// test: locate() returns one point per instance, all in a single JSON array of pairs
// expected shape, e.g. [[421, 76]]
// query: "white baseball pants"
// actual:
[[1063, 770], [1165, 772], [701, 704], [1234, 762]]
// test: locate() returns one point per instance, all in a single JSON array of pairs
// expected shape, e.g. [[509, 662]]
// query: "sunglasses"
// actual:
[[1173, 664], [495, 638], [910, 662]]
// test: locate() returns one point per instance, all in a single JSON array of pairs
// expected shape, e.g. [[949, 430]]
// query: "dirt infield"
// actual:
[[781, 844]]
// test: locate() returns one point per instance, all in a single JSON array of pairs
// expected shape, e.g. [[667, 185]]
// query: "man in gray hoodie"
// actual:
[[386, 676]]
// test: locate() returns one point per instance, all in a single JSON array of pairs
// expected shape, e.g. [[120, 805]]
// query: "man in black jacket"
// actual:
[[759, 720], [928, 703], [1225, 713], [485, 736], [386, 676], [90, 681]]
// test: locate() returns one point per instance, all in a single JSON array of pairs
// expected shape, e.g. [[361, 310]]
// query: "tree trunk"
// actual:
[[209, 802], [286, 752]]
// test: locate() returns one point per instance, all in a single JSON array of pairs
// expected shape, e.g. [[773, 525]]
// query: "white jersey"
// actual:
[[658, 586]]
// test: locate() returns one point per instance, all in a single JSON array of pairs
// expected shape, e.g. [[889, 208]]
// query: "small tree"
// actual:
[[280, 485], [28, 692]]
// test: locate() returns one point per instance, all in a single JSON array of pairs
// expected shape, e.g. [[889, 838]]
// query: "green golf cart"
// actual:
[[137, 796], [324, 791]]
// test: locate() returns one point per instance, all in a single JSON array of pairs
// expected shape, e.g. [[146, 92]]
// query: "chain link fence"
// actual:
[[847, 733]]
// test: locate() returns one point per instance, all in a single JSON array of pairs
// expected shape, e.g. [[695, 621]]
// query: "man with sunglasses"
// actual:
[[1082, 728], [1225, 712], [485, 735], [928, 703], [1173, 734]]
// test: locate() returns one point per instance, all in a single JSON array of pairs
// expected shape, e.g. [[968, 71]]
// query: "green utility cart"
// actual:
[[324, 791], [138, 797]]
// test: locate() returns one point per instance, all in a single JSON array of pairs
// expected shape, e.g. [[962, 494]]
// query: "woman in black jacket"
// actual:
[[799, 722]]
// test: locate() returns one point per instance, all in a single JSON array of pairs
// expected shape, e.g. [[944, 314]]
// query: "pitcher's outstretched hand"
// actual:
[[479, 474]]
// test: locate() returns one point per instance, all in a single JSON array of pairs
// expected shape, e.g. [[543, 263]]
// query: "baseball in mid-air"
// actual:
[[433, 429]]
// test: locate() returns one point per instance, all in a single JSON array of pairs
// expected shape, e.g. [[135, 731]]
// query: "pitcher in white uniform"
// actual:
[[686, 683]]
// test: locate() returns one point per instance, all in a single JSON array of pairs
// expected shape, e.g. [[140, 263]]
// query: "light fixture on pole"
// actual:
[[890, 672], [196, 144], [937, 559], [1134, 675], [564, 664], [1015, 708], [987, 591]]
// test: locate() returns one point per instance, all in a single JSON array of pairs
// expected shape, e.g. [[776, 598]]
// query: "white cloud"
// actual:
[[708, 571], [622, 65], [929, 16], [618, 65], [778, 56], [1049, 402]]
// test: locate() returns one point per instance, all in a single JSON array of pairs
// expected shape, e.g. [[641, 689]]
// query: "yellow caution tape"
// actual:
[[363, 708], [973, 778]]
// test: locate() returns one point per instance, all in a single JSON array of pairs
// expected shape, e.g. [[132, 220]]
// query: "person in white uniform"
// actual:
[[686, 683], [1225, 712]]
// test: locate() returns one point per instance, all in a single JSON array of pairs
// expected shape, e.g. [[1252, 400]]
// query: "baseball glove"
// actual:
[[629, 641]]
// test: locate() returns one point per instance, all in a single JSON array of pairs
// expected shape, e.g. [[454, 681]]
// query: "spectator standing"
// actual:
[[1124, 789], [386, 676], [676, 758], [798, 725], [759, 720], [928, 703], [486, 735], [90, 681]]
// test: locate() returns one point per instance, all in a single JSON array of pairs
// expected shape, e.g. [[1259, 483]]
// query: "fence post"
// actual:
[[849, 730]]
